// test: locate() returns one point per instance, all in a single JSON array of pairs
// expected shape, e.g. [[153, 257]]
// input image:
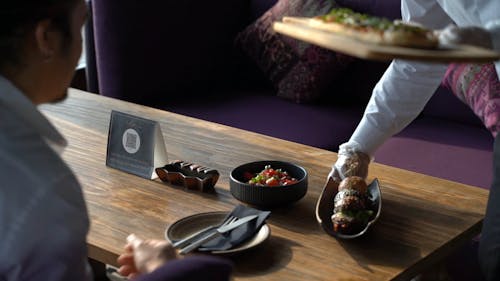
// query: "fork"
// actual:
[[183, 242], [198, 242]]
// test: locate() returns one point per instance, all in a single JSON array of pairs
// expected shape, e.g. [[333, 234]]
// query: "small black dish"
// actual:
[[266, 196]]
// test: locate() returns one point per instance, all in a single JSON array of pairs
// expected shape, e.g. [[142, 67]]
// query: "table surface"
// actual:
[[423, 218]]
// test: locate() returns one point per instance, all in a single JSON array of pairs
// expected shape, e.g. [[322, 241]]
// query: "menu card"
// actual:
[[135, 145]]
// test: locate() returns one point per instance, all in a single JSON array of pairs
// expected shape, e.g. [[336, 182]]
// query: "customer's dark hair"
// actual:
[[18, 17]]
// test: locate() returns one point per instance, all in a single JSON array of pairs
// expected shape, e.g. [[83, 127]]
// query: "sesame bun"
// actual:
[[349, 203], [354, 182]]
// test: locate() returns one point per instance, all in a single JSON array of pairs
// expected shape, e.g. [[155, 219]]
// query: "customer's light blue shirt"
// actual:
[[43, 217]]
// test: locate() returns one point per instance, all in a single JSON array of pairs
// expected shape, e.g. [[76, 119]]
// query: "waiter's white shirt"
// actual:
[[43, 216], [407, 86]]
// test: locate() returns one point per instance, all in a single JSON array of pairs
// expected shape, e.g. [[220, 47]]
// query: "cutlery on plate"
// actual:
[[185, 241], [222, 229]]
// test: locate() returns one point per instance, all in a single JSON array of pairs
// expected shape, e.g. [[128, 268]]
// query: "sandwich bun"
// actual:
[[354, 182]]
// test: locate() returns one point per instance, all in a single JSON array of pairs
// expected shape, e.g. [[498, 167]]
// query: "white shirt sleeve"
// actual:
[[489, 14], [405, 87], [493, 27], [397, 100], [483, 13]]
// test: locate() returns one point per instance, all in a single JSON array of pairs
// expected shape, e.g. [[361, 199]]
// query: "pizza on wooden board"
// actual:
[[372, 29]]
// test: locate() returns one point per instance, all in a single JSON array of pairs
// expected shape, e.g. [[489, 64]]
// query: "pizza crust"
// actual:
[[395, 33], [425, 40], [364, 35]]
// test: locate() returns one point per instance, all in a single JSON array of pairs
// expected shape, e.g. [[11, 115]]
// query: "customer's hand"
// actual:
[[350, 162], [144, 256], [469, 35]]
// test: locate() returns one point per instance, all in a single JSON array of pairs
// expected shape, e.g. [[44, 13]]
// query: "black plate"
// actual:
[[191, 224]]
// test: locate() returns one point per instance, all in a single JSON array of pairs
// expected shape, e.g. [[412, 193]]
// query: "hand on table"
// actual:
[[144, 256]]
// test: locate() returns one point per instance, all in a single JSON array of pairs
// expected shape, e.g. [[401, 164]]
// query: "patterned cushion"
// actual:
[[479, 88], [299, 71]]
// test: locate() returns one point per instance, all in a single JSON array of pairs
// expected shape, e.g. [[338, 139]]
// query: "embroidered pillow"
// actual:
[[479, 88], [299, 71]]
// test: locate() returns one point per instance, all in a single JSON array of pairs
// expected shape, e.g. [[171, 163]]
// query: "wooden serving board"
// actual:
[[298, 28]]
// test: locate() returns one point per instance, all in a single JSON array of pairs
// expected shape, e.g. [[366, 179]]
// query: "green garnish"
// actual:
[[349, 17], [362, 216]]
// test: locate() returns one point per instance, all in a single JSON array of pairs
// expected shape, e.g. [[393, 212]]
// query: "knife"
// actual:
[[220, 230], [183, 242], [198, 234]]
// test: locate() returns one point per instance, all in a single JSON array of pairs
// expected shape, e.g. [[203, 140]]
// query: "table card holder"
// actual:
[[135, 145]]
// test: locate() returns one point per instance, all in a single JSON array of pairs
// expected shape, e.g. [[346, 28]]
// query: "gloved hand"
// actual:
[[469, 35], [350, 162]]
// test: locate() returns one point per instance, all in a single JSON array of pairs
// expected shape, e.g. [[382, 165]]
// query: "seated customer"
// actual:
[[43, 216], [159, 259]]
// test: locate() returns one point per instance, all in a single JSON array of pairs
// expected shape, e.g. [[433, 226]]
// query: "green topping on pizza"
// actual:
[[359, 20]]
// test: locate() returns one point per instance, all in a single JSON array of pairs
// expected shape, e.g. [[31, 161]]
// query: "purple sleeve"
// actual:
[[192, 268]]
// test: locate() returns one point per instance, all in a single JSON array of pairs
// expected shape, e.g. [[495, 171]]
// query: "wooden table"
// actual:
[[423, 218]]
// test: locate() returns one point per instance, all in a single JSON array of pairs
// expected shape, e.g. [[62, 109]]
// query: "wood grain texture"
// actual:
[[298, 28], [423, 218]]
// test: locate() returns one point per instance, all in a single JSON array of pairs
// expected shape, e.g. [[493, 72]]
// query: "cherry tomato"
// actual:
[[272, 182], [270, 177], [269, 172], [288, 181]]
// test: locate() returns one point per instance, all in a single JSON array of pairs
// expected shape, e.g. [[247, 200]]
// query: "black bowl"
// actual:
[[267, 196]]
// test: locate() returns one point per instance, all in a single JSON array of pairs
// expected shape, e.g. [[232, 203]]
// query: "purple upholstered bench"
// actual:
[[446, 141], [145, 56]]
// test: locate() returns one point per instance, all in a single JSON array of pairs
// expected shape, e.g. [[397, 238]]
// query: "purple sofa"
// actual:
[[146, 53], [174, 65]]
